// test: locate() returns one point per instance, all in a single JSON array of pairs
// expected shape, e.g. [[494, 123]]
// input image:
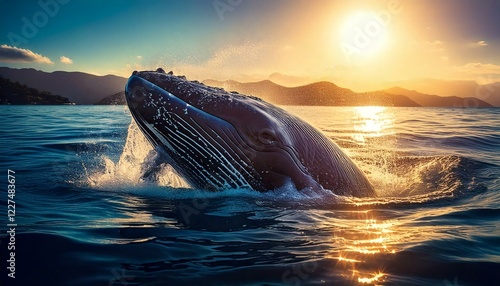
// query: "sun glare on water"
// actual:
[[364, 242], [371, 121]]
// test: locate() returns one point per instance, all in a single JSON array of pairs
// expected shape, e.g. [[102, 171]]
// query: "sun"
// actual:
[[363, 34]]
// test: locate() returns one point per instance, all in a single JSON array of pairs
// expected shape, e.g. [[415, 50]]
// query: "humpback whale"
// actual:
[[219, 140]]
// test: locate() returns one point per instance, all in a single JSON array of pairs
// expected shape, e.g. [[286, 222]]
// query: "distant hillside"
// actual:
[[80, 88], [320, 93], [83, 88], [114, 99], [489, 93], [428, 100], [16, 93]]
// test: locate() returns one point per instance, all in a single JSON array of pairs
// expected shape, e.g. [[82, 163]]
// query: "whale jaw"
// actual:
[[191, 140]]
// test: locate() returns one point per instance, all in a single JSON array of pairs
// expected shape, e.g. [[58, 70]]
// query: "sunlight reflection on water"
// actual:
[[363, 239], [371, 121]]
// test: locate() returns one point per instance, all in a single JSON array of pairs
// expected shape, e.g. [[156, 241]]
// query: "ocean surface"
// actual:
[[83, 216]]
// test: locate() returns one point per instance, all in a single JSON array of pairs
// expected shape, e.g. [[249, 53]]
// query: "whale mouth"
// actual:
[[156, 100], [205, 149], [142, 96], [152, 100]]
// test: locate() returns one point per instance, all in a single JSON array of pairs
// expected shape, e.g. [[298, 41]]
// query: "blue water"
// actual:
[[84, 220]]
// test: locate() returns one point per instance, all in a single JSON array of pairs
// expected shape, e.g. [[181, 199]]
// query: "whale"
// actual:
[[219, 140]]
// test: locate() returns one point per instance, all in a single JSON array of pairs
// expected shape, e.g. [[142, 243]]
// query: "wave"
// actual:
[[485, 141], [138, 164], [398, 178]]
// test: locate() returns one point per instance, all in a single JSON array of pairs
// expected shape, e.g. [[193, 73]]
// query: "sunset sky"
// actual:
[[355, 44]]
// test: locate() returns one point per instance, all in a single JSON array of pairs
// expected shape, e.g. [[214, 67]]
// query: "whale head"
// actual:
[[222, 140]]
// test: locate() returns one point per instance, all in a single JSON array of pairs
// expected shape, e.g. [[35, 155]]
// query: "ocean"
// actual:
[[81, 215]]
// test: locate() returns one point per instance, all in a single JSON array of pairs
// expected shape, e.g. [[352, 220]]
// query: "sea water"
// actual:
[[85, 216]]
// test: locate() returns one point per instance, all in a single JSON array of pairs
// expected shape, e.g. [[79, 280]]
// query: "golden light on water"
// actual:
[[377, 240], [376, 278], [371, 121], [340, 258], [363, 242]]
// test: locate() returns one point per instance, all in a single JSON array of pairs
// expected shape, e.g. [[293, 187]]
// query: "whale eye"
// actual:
[[267, 137], [138, 95]]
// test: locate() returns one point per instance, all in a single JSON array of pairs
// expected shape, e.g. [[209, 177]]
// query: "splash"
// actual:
[[398, 179], [139, 164], [421, 179], [140, 170]]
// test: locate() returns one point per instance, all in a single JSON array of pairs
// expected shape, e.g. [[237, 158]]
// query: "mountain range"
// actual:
[[78, 87], [461, 88], [83, 88], [19, 94], [319, 93]]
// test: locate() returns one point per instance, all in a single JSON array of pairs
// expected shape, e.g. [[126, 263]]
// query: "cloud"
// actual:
[[14, 54], [482, 43], [435, 43], [479, 68], [66, 60]]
